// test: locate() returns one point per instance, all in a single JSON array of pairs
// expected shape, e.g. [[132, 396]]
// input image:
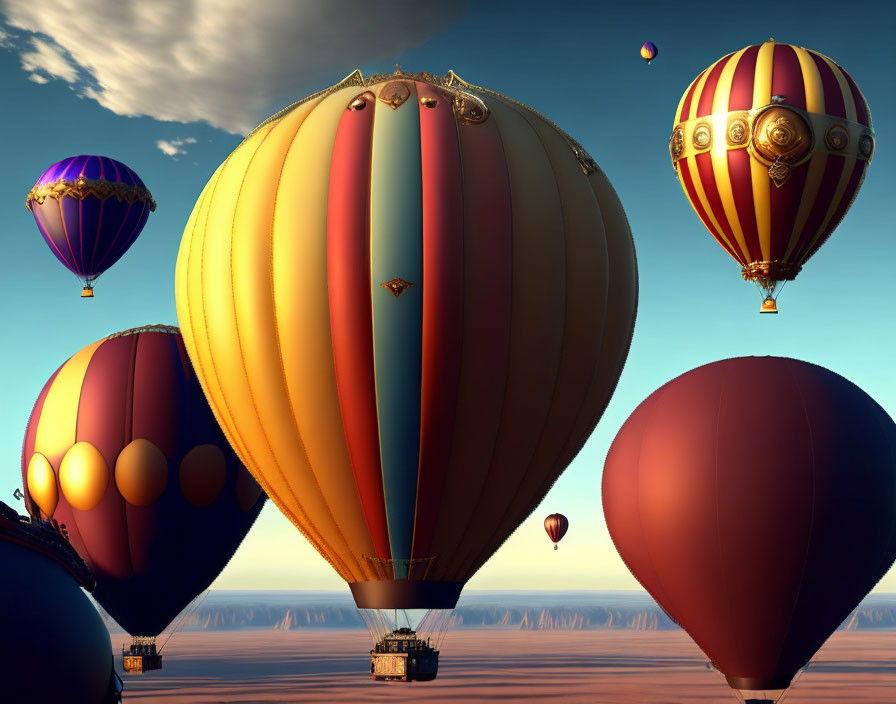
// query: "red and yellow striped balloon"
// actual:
[[408, 300], [123, 450], [771, 144]]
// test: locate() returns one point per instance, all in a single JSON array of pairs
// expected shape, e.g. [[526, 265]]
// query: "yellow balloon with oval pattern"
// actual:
[[203, 472], [141, 472], [83, 476], [42, 484]]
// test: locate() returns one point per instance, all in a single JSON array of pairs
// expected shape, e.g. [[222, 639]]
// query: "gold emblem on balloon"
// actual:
[[396, 286], [360, 102], [676, 144], [782, 138], [866, 146], [470, 110], [836, 138], [702, 136], [738, 131], [394, 94]]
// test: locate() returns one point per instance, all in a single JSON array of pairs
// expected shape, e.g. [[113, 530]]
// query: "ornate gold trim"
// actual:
[[737, 131], [395, 94], [47, 537], [836, 138], [676, 145], [396, 286], [450, 82], [776, 270], [740, 132], [587, 164], [470, 110], [866, 145], [81, 187], [781, 135], [170, 329], [779, 172], [702, 136]]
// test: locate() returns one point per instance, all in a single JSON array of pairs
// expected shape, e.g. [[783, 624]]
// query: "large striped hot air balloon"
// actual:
[[90, 210], [408, 300], [771, 144], [123, 450]]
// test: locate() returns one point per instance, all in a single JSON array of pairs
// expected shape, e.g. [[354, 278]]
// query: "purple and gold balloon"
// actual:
[[89, 209]]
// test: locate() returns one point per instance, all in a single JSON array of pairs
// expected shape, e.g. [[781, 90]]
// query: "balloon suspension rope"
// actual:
[[187, 612], [795, 680]]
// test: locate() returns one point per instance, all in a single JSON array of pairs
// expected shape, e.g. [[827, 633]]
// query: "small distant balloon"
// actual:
[[556, 526], [649, 51], [89, 209]]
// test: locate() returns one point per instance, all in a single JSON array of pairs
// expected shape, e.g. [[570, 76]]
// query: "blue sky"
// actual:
[[196, 75]]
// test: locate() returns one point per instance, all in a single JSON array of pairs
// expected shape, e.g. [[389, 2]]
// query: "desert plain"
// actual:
[[603, 666]]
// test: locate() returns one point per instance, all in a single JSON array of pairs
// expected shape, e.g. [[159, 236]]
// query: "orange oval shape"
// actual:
[[41, 480], [247, 489], [141, 472], [203, 472], [83, 476]]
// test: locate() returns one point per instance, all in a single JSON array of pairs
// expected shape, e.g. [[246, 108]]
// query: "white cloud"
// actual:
[[174, 146], [46, 60], [38, 78], [219, 61]]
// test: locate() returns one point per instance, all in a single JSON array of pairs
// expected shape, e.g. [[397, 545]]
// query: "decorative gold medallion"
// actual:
[[470, 110], [836, 138], [396, 286], [428, 102], [780, 134], [737, 131], [360, 102], [779, 172], [394, 94], [676, 144], [588, 164], [703, 136], [866, 145]]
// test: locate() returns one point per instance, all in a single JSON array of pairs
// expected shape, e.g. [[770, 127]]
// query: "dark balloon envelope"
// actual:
[[755, 499], [48, 624], [123, 450], [90, 210]]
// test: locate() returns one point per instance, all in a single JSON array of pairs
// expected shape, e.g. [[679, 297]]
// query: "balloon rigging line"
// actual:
[[187, 612]]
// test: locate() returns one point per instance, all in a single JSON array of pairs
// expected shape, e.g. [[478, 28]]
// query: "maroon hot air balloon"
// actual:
[[123, 450], [755, 499], [89, 209], [556, 526]]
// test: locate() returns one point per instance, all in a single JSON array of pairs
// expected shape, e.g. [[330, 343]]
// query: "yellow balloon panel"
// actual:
[[83, 476], [42, 484]]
